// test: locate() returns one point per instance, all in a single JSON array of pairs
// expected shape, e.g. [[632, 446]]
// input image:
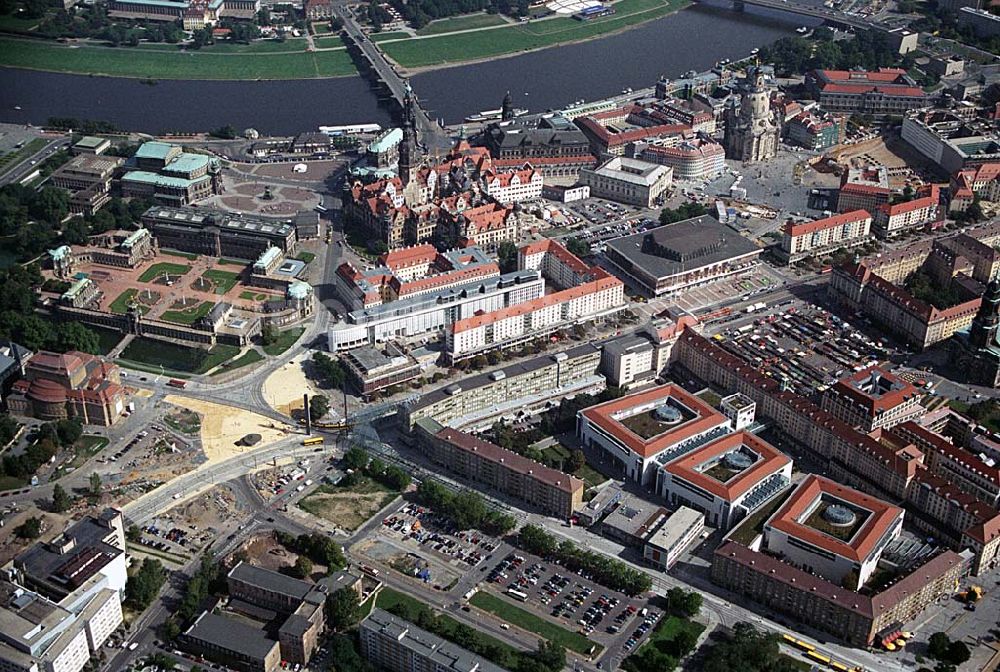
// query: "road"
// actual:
[[20, 170]]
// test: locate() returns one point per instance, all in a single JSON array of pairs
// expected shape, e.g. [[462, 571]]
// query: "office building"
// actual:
[[855, 618], [983, 24], [628, 181], [888, 467], [824, 236], [872, 398], [500, 470], [70, 385], [630, 520], [694, 159], [832, 531], [880, 92], [637, 359], [232, 642], [665, 546], [642, 431], [950, 140], [194, 14], [218, 234], [814, 131], [524, 386], [892, 219], [727, 479], [90, 144], [674, 257], [526, 321], [88, 179], [371, 370], [392, 644], [170, 175]]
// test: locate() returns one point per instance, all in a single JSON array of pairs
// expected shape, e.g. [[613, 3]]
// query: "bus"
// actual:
[[370, 571], [173, 382], [818, 657], [791, 641], [517, 595], [312, 441]]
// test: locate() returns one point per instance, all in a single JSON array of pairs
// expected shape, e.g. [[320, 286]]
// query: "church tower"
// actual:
[[408, 145], [984, 327], [507, 108]]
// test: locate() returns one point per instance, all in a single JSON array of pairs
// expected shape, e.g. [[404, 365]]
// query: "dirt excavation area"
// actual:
[[223, 426], [347, 508], [284, 388]]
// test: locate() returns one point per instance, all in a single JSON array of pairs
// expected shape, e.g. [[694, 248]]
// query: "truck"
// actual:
[[173, 382]]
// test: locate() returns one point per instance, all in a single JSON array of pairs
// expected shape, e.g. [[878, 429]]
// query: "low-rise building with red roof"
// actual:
[[982, 181], [873, 398], [892, 219], [822, 236], [833, 531], [70, 385], [727, 479], [880, 92]]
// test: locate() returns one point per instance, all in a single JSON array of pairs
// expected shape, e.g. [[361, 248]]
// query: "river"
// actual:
[[693, 39]]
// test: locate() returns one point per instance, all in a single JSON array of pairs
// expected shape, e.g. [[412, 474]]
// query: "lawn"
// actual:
[[107, 339], [188, 315], [753, 525], [395, 35], [467, 22], [329, 42], [224, 280], [664, 633], [15, 24], [216, 356], [523, 37], [307, 257], [252, 296], [286, 339], [120, 304], [557, 634], [11, 159], [349, 507], [163, 268], [160, 64], [231, 262], [148, 354], [85, 448], [11, 483], [247, 358], [190, 256]]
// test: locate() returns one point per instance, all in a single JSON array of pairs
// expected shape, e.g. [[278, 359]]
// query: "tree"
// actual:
[[329, 370], [171, 631], [303, 567], [958, 653], [355, 458], [342, 609], [69, 431], [507, 257], [551, 655], [683, 603], [578, 246], [60, 500], [577, 460], [29, 529], [133, 533], [143, 587], [318, 406], [74, 336], [269, 334], [682, 212], [95, 484], [937, 645]]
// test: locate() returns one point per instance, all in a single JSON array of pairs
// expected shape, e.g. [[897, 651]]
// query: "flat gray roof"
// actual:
[[231, 635], [681, 247], [273, 581]]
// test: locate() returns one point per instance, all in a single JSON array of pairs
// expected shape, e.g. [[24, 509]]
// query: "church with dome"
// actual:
[[977, 351], [752, 128]]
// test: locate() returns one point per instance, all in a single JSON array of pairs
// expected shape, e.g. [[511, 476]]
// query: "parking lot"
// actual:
[[419, 527], [803, 344]]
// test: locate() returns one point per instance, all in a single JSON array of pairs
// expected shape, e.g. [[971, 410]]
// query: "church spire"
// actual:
[[507, 108], [408, 145]]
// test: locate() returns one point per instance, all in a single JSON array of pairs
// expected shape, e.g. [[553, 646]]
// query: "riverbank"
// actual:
[[417, 54], [459, 40], [221, 62]]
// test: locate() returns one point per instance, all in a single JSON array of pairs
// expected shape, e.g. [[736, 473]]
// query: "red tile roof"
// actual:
[[771, 461], [929, 200], [409, 256], [900, 391], [556, 249], [706, 418], [833, 222], [789, 518]]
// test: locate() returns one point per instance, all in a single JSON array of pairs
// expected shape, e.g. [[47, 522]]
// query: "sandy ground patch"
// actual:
[[222, 426], [348, 509], [284, 388]]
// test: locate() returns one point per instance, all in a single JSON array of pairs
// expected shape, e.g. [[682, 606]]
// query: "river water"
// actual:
[[693, 39]]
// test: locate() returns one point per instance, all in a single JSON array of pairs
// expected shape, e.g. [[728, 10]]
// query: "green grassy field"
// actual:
[[120, 304], [382, 37], [573, 641], [467, 22], [85, 448], [14, 23], [329, 42], [252, 296], [286, 339], [163, 268], [247, 358], [188, 315], [224, 280], [415, 53], [149, 353], [217, 355], [307, 257], [212, 63]]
